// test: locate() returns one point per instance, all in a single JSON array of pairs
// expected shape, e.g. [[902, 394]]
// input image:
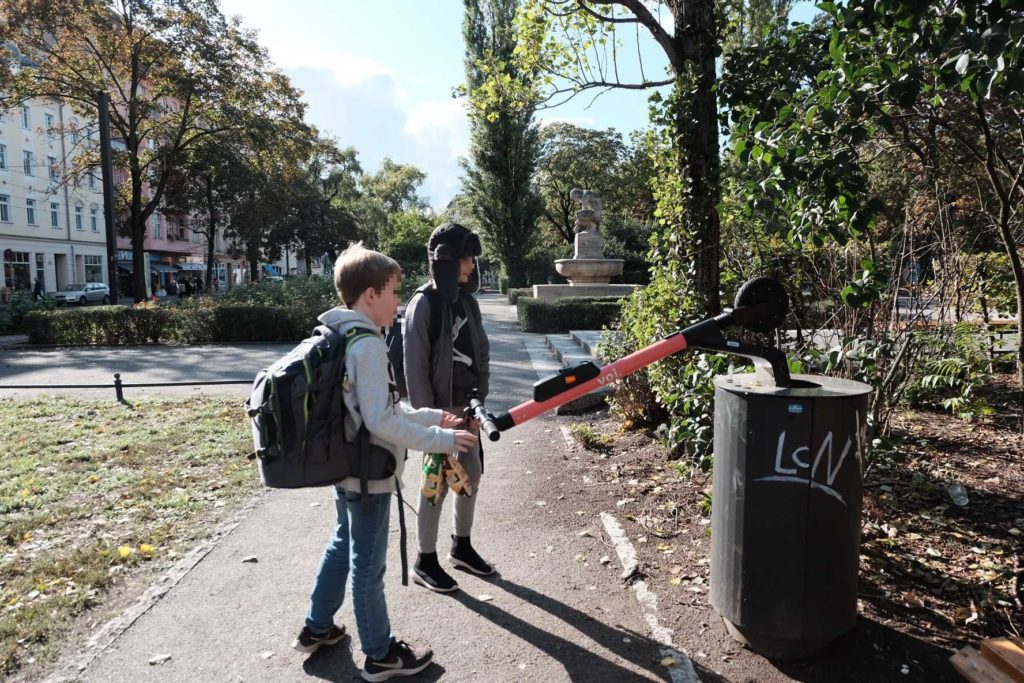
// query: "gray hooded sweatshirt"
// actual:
[[369, 400]]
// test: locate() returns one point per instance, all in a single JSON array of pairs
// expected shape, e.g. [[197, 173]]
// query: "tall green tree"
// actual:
[[392, 190], [323, 199], [498, 175], [177, 72]]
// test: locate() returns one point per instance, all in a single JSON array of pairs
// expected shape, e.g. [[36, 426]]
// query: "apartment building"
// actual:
[[51, 227]]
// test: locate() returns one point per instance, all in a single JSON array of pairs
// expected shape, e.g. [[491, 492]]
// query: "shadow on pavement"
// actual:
[[580, 663]]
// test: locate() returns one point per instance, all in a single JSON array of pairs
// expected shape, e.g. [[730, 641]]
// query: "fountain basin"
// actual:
[[589, 270]]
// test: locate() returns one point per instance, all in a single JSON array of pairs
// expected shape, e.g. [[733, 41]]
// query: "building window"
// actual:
[[16, 272], [5, 208], [94, 269], [52, 162], [156, 225], [74, 133], [30, 211], [94, 219], [181, 230], [78, 218], [40, 273], [49, 123], [3, 156], [26, 118], [55, 214], [26, 162], [92, 180]]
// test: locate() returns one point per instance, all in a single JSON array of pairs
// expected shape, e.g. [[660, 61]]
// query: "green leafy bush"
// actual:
[[149, 323], [572, 313], [308, 296], [103, 325], [12, 319], [516, 292]]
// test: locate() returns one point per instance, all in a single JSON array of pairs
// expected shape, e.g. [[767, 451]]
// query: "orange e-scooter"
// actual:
[[761, 305]]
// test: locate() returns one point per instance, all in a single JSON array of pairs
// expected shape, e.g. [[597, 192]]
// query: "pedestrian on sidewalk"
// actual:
[[446, 355], [368, 284]]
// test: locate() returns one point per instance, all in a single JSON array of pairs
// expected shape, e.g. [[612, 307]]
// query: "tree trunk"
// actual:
[[138, 237], [211, 242], [696, 35]]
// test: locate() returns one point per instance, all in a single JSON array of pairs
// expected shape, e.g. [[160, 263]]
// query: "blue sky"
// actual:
[[378, 76]]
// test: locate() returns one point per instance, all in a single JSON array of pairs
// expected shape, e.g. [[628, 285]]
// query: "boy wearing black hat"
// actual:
[[439, 373]]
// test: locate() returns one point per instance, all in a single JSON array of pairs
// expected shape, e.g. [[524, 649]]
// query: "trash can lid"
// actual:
[[807, 386]]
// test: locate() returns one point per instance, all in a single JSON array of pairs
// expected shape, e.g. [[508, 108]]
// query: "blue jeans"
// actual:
[[361, 542]]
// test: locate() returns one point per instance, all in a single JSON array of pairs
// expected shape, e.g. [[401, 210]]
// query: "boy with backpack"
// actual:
[[367, 283], [447, 355]]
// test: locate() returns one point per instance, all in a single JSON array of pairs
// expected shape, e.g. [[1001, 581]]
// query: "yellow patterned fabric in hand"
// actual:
[[441, 472]]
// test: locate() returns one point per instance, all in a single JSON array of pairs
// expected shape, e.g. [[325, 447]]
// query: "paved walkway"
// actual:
[[555, 613]]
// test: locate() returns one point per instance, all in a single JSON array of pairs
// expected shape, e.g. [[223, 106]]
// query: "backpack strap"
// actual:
[[434, 299]]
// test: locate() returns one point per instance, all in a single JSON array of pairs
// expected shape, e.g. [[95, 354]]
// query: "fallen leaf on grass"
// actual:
[[251, 558], [586, 532], [605, 559], [159, 659], [484, 597]]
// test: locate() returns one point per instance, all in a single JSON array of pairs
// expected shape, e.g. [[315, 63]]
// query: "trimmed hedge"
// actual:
[[571, 313], [150, 324], [516, 292]]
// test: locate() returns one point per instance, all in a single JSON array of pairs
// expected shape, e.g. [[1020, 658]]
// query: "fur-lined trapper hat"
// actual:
[[449, 244]]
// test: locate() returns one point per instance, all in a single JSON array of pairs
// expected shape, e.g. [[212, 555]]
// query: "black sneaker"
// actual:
[[311, 642], [427, 572], [463, 556], [402, 660]]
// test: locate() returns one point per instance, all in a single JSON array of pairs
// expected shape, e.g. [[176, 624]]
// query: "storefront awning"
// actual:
[[126, 266], [192, 266], [162, 268]]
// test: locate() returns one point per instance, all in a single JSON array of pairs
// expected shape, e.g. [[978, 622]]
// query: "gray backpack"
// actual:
[[298, 412]]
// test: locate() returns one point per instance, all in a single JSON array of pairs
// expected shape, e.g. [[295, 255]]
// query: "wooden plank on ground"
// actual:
[[971, 665], [1006, 655]]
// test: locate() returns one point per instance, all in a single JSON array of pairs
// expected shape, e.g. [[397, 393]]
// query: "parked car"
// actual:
[[83, 293]]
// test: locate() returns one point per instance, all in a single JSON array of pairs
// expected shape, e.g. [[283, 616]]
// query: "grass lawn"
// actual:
[[94, 491]]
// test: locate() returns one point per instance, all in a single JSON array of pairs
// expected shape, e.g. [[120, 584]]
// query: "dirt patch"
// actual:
[[933, 575]]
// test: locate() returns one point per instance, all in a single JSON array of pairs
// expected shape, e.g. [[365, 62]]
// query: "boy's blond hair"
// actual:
[[358, 268]]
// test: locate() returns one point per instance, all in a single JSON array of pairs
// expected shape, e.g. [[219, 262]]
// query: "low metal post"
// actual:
[[117, 386]]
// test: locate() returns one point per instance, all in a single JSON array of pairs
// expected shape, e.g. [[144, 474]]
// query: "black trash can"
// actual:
[[785, 521]]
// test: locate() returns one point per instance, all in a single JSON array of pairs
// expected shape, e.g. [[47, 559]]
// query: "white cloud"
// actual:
[[445, 122], [581, 121]]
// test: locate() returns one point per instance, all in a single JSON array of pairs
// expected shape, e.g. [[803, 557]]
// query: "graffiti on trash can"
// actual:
[[825, 466]]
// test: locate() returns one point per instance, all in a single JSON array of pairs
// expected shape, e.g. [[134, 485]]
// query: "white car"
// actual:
[[83, 293]]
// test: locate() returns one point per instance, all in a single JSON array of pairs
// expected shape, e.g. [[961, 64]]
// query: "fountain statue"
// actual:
[[588, 271], [588, 264]]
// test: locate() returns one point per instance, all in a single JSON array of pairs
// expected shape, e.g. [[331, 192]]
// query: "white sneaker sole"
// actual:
[[395, 673], [465, 565], [309, 649], [416, 579]]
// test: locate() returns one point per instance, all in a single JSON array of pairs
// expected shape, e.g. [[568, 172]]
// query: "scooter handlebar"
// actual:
[[485, 419]]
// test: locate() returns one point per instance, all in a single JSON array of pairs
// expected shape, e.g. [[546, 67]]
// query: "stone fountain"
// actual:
[[589, 273]]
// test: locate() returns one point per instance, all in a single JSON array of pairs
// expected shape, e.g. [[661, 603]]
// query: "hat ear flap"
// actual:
[[472, 245], [445, 252]]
